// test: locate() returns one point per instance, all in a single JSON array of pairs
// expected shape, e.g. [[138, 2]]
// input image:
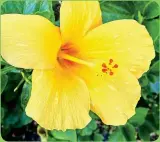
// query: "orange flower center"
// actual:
[[68, 56], [65, 51]]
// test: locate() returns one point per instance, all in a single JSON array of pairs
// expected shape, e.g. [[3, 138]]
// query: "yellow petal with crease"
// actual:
[[77, 18], [126, 41], [29, 41], [58, 100]]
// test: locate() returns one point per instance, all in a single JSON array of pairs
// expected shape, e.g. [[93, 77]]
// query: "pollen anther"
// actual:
[[110, 61], [104, 70], [104, 65], [111, 73], [109, 69], [115, 66]]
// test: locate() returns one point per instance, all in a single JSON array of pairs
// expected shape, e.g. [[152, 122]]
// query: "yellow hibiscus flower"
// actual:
[[83, 65]]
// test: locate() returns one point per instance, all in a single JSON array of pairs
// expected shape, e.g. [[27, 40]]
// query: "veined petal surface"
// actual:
[[113, 96], [58, 100], [77, 18], [29, 41], [125, 41]]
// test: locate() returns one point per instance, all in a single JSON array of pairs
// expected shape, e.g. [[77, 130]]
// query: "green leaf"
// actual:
[[153, 72], [139, 117], [84, 138], [117, 135], [153, 78], [146, 91], [157, 1], [23, 120], [140, 5], [154, 116], [114, 10], [155, 68], [43, 8], [144, 132], [4, 80], [9, 69], [88, 130], [11, 119], [151, 10], [157, 44], [98, 137], [2, 1], [153, 30], [31, 6], [123, 133], [92, 125], [25, 95], [155, 87], [143, 80], [45, 14], [93, 115], [150, 125], [39, 7], [12, 7], [49, 139], [13, 80], [15, 117], [3, 62], [67, 135], [129, 132], [148, 9]]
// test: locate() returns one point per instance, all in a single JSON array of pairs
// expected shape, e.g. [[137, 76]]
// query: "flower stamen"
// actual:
[[104, 65], [115, 66], [107, 68], [104, 70], [74, 59], [110, 61]]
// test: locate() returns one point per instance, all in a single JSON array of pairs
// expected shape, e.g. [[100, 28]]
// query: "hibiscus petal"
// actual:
[[126, 41], [115, 101], [58, 100], [77, 18], [113, 96], [29, 41]]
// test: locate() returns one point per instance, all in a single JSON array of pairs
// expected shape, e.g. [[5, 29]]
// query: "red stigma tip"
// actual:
[[110, 61], [104, 65], [111, 73], [115, 66], [104, 70]]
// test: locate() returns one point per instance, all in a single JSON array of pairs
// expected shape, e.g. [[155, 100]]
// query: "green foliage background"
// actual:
[[16, 82]]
